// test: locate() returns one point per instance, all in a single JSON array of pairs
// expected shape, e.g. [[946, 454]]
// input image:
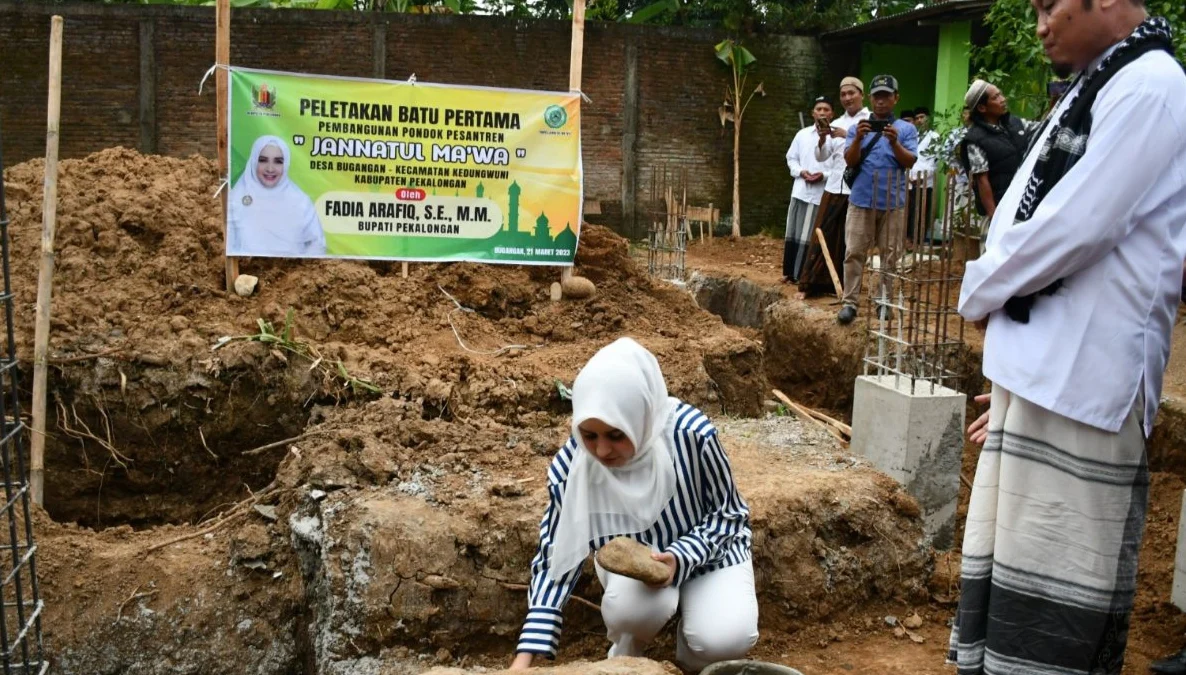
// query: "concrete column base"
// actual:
[[916, 438], [1178, 595]]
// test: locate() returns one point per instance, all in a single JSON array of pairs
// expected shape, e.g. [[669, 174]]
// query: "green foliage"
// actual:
[[738, 58], [735, 16], [284, 342], [1015, 61]]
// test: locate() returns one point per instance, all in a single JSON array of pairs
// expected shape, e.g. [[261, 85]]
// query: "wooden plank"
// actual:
[[823, 244], [842, 432], [45, 277], [222, 59]]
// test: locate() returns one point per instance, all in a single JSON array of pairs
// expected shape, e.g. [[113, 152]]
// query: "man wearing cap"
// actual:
[[993, 148], [882, 155], [922, 176], [1079, 285], [815, 278], [810, 175]]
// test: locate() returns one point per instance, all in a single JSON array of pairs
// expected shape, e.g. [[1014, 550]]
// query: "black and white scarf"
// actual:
[[1068, 140]]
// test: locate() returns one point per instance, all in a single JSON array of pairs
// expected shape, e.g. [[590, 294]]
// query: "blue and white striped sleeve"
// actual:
[[546, 598], [726, 513]]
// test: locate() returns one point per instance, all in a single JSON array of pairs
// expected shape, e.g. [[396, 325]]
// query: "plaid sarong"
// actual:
[[1050, 547]]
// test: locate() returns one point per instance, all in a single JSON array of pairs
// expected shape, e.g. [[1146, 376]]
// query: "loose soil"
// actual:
[[808, 353], [390, 536]]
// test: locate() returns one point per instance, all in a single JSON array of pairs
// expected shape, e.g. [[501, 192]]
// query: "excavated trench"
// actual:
[[807, 355], [141, 446]]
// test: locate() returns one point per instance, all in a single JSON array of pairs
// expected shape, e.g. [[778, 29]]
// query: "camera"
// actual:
[[878, 125]]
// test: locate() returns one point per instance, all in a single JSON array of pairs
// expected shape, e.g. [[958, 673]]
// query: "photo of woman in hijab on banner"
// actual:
[[268, 214]]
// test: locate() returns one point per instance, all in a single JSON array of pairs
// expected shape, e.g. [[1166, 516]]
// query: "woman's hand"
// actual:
[[522, 661], [978, 432], [669, 560]]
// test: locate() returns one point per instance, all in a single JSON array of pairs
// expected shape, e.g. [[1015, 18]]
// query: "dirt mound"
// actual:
[[148, 421]]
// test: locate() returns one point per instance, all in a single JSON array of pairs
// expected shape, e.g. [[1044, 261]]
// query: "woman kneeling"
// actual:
[[648, 466]]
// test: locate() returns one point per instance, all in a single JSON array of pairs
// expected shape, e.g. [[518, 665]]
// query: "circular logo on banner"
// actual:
[[246, 200], [555, 116]]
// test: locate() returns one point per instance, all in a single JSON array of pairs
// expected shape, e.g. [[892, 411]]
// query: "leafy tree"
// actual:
[[740, 61], [1014, 60]]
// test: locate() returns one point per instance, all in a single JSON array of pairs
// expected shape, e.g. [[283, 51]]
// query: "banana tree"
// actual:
[[740, 61]]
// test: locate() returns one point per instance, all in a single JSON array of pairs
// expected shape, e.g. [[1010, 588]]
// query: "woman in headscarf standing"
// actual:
[[642, 464], [269, 215]]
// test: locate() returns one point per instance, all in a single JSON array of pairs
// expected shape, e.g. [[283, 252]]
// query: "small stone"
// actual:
[[441, 583], [899, 632], [915, 637], [268, 512], [912, 621], [443, 656], [317, 495], [891, 620], [578, 288], [245, 284], [631, 559], [508, 489]]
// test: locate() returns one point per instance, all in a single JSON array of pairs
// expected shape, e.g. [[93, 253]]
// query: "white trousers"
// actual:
[[718, 615]]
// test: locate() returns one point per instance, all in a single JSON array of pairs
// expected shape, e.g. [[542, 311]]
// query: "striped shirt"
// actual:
[[705, 526]]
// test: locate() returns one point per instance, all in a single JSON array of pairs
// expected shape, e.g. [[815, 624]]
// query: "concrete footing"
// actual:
[[917, 438], [1178, 595]]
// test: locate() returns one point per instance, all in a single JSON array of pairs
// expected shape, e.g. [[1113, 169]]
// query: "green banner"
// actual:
[[329, 167]]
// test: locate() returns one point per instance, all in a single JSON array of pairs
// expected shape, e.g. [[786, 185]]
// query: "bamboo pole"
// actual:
[[823, 245], [222, 60], [45, 278], [575, 63]]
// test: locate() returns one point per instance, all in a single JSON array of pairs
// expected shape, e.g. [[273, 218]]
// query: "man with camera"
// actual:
[[879, 152]]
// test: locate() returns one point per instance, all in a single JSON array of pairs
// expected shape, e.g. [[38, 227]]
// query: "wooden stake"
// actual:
[[222, 59], [575, 62], [823, 244], [403, 270], [45, 278], [835, 431]]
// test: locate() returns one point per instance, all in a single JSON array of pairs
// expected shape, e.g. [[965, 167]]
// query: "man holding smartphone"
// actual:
[[815, 277], [881, 150], [810, 175]]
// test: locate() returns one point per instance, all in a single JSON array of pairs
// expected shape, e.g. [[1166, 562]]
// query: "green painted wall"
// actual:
[[952, 75], [913, 66]]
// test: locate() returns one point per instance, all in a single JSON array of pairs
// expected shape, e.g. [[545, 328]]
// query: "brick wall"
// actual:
[[131, 74]]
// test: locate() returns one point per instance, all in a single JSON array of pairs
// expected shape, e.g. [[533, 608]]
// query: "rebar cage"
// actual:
[[667, 229], [20, 620], [914, 332]]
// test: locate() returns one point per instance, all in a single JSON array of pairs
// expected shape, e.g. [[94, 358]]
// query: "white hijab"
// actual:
[[272, 221], [622, 386]]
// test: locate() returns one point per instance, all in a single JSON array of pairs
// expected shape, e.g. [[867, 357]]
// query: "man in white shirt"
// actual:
[[922, 178], [810, 175], [815, 278], [1079, 284]]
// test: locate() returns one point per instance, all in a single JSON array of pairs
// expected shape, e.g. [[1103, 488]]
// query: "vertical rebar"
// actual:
[[11, 446]]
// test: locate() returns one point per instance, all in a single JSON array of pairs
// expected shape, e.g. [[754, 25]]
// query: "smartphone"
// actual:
[[822, 125], [878, 125]]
